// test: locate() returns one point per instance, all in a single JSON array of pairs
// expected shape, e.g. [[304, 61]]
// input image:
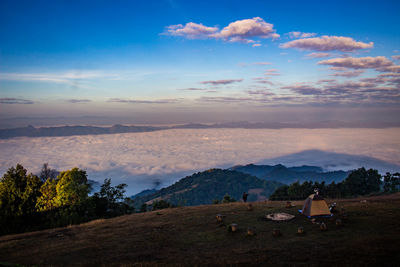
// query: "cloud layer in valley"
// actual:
[[139, 159]]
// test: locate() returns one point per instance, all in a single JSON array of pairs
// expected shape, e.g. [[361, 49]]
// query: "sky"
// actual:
[[200, 61]]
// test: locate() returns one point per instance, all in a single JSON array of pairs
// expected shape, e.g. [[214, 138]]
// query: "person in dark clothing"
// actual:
[[245, 196]]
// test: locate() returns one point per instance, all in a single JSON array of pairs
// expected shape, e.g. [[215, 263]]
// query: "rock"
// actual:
[[300, 230], [220, 217], [322, 226], [251, 231], [234, 227], [276, 232]]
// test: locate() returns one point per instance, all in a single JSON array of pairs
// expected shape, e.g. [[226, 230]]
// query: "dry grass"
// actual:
[[192, 236]]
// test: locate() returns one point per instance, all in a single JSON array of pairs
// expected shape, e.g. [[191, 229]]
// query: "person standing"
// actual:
[[245, 196]]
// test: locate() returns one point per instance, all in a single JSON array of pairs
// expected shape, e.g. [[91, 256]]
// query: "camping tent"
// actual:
[[315, 205]]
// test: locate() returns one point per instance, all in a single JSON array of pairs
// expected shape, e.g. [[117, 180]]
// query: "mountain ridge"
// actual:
[[289, 175], [69, 130]]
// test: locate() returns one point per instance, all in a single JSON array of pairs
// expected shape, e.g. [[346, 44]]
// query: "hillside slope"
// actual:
[[204, 187], [192, 236]]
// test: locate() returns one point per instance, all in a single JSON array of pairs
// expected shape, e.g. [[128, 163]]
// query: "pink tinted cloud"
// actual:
[[348, 74], [326, 81], [139, 101], [272, 72], [396, 57], [303, 89], [224, 99], [394, 69], [296, 34], [358, 63], [192, 89], [390, 75], [328, 43], [77, 101], [262, 63], [260, 92], [244, 30], [191, 30], [239, 31], [263, 80], [318, 55], [222, 82], [8, 100]]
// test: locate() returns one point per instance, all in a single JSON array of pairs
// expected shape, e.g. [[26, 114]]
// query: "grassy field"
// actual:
[[192, 236]]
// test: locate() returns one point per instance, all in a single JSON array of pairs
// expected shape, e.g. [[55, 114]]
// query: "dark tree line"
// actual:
[[52, 199], [359, 182]]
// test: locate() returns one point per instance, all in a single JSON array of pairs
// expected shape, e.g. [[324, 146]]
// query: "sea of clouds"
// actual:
[[144, 159]]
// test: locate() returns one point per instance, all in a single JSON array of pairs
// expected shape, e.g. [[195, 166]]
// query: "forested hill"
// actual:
[[205, 187], [289, 175]]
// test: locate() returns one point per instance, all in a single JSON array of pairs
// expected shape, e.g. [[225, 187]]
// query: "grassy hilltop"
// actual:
[[191, 235]]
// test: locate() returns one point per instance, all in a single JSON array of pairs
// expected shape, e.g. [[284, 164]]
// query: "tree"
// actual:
[[333, 190], [295, 191], [47, 173], [108, 200], [72, 187], [18, 192], [373, 180], [391, 182], [143, 208], [47, 200], [215, 201], [112, 194], [281, 193], [362, 182]]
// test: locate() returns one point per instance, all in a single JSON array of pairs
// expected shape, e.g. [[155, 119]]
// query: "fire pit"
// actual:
[[279, 216]]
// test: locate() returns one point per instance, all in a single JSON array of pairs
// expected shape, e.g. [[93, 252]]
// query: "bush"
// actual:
[[161, 204], [227, 198]]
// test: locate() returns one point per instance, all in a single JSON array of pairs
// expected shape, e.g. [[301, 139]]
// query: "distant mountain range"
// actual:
[[31, 131], [289, 175], [331, 161], [204, 187]]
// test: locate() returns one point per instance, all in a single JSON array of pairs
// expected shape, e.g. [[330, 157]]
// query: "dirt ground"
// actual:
[[368, 236]]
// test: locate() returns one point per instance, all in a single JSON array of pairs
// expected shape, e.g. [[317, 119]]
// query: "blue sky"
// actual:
[[200, 61]]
